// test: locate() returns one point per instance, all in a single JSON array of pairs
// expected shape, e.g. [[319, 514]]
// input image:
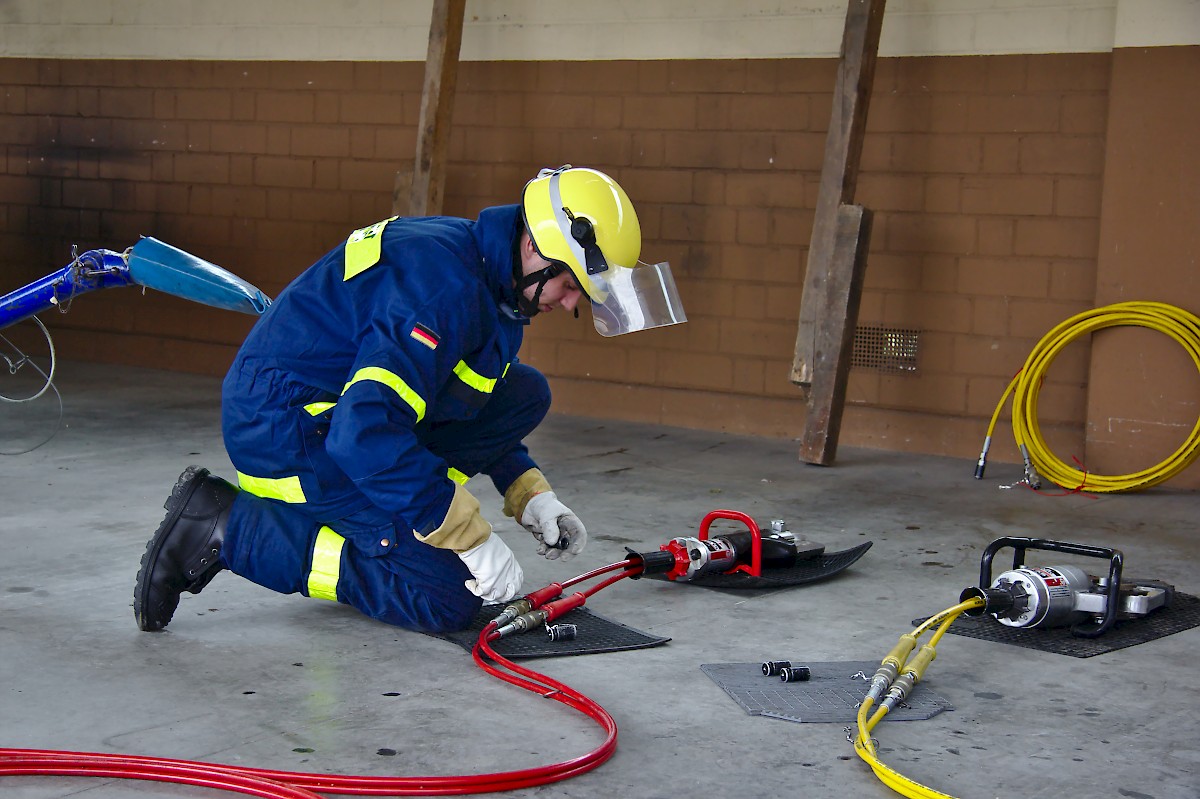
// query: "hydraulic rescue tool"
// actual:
[[748, 551], [1024, 596], [1058, 596]]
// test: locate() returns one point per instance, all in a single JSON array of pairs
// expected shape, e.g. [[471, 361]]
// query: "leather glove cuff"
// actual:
[[463, 528], [523, 489]]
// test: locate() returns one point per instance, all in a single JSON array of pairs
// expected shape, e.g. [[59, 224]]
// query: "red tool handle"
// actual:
[[755, 567]]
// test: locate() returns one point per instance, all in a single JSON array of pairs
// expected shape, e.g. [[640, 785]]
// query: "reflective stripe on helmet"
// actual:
[[326, 565]]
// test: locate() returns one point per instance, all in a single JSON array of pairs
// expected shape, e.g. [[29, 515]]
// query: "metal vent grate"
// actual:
[[889, 349]]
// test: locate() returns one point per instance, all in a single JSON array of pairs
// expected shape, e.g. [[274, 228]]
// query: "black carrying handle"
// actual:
[[1115, 559]]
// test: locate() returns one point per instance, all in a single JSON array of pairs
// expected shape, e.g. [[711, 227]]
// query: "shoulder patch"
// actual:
[[425, 336]]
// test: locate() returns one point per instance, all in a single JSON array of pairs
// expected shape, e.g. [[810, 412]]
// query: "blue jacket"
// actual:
[[407, 323]]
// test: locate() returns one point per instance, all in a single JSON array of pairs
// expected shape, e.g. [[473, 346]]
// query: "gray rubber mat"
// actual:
[[831, 694], [1182, 614], [804, 572], [595, 634]]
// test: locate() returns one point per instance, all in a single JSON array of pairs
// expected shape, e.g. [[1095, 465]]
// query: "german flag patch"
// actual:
[[425, 336]]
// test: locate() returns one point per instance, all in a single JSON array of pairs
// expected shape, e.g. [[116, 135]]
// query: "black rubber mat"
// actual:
[[1182, 614], [831, 694], [594, 635], [804, 572]]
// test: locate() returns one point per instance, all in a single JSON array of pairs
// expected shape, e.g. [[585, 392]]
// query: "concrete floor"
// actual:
[[248, 677]]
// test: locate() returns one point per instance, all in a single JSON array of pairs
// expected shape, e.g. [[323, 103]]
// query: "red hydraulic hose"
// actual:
[[628, 563], [271, 784]]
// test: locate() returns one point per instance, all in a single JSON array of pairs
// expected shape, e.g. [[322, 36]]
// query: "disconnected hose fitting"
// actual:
[[1031, 476], [981, 465]]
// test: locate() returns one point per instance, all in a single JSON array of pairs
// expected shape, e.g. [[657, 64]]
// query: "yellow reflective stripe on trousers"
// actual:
[[392, 381], [284, 489], [326, 565], [363, 248], [457, 476], [484, 385]]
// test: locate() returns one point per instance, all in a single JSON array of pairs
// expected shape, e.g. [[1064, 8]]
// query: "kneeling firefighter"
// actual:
[[378, 383]]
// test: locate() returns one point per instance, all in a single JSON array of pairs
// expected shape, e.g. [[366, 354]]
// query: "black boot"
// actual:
[[184, 554]]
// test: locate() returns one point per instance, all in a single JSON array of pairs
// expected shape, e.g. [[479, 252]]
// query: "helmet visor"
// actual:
[[627, 300]]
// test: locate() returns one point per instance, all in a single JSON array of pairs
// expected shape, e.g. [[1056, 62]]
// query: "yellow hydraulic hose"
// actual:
[[913, 667], [1177, 323]]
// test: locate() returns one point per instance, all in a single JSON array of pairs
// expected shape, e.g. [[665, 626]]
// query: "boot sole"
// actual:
[[181, 494]]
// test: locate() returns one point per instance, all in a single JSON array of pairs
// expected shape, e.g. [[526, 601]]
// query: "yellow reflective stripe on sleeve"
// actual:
[[506, 366], [484, 385], [326, 565], [392, 381], [363, 248], [284, 489], [318, 408], [457, 476]]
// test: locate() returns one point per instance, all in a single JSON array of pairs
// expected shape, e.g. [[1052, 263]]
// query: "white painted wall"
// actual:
[[397, 30]]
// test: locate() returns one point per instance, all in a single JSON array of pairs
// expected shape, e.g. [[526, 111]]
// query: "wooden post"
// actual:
[[437, 106], [839, 177], [834, 343]]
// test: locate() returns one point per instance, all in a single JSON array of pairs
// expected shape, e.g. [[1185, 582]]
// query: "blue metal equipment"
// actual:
[[150, 263]]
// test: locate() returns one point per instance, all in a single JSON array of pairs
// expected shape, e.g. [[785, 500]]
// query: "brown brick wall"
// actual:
[[985, 173]]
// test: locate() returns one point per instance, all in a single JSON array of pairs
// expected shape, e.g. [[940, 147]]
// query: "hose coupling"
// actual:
[[983, 453], [919, 662], [884, 676], [896, 658], [523, 623], [513, 610], [899, 690], [1031, 476]]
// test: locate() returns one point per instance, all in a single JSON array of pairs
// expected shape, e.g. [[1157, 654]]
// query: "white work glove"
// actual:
[[498, 576], [549, 520]]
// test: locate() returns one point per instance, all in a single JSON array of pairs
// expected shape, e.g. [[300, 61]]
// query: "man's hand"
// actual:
[[558, 530], [498, 576]]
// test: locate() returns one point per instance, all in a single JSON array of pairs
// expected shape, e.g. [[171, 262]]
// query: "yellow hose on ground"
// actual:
[[1177, 323], [864, 746]]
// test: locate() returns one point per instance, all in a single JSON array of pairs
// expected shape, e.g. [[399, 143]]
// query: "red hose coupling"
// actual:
[[561, 607], [543, 595]]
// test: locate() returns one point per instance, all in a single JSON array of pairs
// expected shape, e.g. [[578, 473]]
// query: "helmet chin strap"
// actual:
[[530, 307]]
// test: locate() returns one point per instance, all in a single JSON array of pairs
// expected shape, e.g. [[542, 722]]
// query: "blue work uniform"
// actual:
[[384, 372]]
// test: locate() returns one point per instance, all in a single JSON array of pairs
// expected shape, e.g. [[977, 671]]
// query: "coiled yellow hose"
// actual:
[[1177, 323]]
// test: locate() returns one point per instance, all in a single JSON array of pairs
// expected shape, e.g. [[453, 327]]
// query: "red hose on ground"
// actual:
[[271, 784]]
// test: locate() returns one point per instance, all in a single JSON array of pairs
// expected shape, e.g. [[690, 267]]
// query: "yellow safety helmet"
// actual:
[[581, 218]]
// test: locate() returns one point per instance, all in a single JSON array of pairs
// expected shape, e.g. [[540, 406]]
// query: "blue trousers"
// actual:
[[414, 585]]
